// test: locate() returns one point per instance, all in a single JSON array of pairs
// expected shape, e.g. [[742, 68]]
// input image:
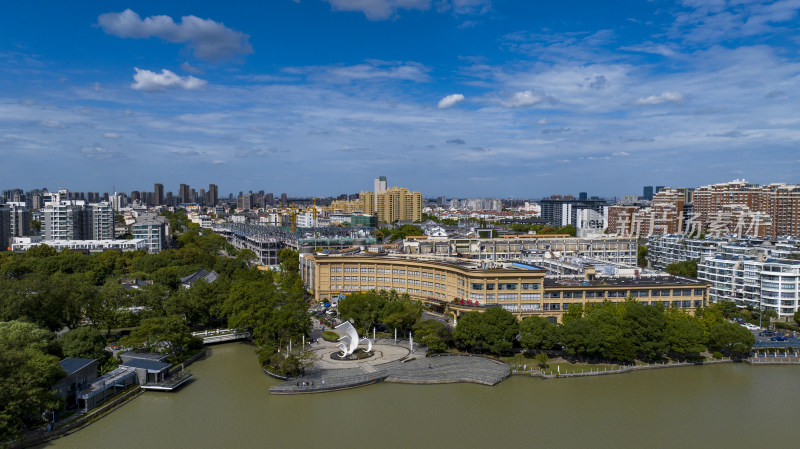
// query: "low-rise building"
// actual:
[[79, 374], [22, 244], [459, 286], [750, 278], [621, 250]]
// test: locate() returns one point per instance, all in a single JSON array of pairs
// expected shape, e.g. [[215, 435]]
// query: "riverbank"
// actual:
[[228, 405], [80, 420]]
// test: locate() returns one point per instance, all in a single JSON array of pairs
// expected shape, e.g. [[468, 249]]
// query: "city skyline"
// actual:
[[457, 98]]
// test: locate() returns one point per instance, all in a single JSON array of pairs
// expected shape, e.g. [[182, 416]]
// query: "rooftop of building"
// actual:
[[465, 264], [638, 281], [108, 379], [72, 365], [149, 365]]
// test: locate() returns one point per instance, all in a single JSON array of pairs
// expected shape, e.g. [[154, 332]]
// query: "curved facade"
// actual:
[[464, 286]]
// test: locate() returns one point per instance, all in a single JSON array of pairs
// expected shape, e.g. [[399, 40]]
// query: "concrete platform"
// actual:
[[398, 365]]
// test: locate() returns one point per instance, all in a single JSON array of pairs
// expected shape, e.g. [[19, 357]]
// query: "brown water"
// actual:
[[228, 406]]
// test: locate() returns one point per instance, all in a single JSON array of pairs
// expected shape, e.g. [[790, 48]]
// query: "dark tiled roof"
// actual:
[[150, 365], [71, 365], [202, 273]]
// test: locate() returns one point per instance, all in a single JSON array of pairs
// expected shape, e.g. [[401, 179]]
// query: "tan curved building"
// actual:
[[461, 286]]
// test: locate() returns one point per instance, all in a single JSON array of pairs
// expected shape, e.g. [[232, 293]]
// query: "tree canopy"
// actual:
[[27, 370]]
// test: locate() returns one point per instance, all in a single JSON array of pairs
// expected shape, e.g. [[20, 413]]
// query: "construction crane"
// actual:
[[293, 217]]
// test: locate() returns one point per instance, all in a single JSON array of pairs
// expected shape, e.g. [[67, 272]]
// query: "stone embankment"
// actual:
[[550, 374], [427, 370]]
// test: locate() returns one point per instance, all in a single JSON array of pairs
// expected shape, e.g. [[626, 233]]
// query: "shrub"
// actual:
[[330, 336], [717, 355], [785, 326]]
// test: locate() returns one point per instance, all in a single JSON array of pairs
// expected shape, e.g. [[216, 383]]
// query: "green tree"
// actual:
[[468, 333], [365, 309], [400, 314], [165, 335], [797, 317], [200, 304], [274, 310], [493, 330], [404, 231], [644, 327], [84, 342], [567, 229], [731, 338], [434, 334], [27, 372], [686, 268], [538, 333], [574, 312], [542, 359], [685, 336], [247, 255], [641, 256], [289, 260]]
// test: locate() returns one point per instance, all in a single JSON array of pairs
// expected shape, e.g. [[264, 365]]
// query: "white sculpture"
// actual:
[[350, 340]]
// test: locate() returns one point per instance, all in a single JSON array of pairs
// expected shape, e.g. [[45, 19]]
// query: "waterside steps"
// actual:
[[429, 370], [171, 383]]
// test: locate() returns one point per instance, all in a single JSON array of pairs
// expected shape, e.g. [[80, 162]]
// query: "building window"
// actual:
[[507, 286], [476, 286], [530, 286]]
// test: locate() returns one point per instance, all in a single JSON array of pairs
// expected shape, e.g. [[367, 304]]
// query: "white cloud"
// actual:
[[542, 121], [523, 99], [112, 136], [154, 82], [450, 101], [378, 9], [465, 6], [371, 70], [385, 9], [186, 67], [208, 39], [665, 97], [621, 154], [52, 124], [98, 152]]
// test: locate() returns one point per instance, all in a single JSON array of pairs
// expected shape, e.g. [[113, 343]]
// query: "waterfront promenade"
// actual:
[[392, 363]]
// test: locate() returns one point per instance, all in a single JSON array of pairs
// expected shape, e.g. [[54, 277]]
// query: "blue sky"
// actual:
[[518, 98]]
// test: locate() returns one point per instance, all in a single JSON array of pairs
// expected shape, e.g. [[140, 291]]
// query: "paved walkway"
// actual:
[[415, 368]]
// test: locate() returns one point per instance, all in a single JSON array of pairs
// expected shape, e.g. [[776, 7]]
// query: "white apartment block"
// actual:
[[758, 282], [665, 249], [621, 250]]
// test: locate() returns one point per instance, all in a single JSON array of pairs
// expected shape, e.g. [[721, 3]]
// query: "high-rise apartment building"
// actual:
[[154, 229], [5, 228], [185, 194], [380, 187], [212, 196], [563, 210], [665, 216], [102, 216], [647, 193], [780, 202], [158, 194], [19, 220], [398, 203]]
